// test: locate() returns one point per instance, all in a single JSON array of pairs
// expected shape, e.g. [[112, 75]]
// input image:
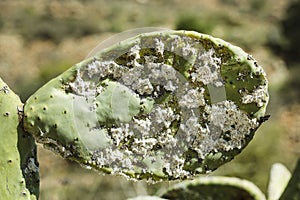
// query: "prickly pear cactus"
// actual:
[[292, 191], [146, 198], [215, 187], [279, 178], [161, 105], [19, 172]]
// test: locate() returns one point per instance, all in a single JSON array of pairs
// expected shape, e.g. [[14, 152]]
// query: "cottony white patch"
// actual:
[[207, 68], [258, 96]]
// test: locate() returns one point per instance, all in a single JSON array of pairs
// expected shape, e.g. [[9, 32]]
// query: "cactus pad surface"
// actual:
[[217, 187], [19, 172], [160, 105]]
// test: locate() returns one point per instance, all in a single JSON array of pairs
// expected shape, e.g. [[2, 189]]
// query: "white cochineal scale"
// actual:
[[161, 105]]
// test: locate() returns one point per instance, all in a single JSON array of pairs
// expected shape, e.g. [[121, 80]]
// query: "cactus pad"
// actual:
[[217, 187], [160, 105], [19, 172]]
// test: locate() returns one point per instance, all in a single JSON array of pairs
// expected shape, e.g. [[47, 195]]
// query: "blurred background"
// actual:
[[41, 39]]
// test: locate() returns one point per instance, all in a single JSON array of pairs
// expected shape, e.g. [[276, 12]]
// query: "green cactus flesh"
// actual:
[[215, 187], [19, 172], [160, 105], [292, 190], [146, 198]]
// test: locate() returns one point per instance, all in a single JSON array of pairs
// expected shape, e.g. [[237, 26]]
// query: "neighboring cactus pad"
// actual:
[[161, 105], [146, 198], [19, 172], [292, 191], [215, 187]]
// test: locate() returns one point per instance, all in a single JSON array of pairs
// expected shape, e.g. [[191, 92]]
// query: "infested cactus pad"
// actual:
[[160, 105]]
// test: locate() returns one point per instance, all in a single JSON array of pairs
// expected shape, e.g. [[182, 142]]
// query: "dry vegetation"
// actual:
[[40, 39]]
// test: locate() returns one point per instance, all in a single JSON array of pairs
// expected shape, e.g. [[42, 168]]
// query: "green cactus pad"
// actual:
[[146, 198], [292, 190], [19, 172], [160, 105], [217, 187]]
